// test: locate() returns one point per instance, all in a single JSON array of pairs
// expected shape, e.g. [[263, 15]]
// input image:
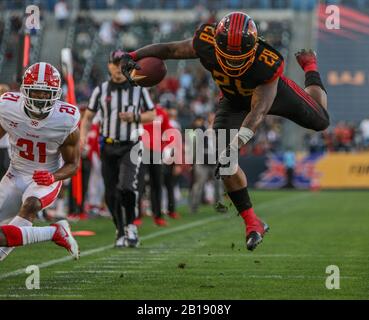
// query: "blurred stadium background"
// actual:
[[92, 28], [281, 155]]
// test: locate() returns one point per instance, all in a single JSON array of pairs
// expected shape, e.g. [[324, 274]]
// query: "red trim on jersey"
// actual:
[[277, 74], [13, 235], [302, 93], [49, 198]]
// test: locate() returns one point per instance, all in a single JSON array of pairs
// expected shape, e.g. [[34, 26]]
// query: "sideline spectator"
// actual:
[[364, 129], [61, 12]]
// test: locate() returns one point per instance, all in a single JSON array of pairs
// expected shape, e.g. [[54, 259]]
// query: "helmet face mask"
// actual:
[[235, 63], [236, 43], [41, 88], [36, 105]]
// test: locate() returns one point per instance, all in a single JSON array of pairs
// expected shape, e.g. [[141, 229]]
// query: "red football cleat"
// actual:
[[63, 237], [137, 222], [83, 216], [307, 60], [174, 215], [160, 222], [255, 233]]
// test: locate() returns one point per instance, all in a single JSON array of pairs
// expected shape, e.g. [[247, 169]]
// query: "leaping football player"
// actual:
[[44, 137], [249, 74]]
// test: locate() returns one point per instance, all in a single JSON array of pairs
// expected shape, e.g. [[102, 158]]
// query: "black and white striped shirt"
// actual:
[[111, 98]]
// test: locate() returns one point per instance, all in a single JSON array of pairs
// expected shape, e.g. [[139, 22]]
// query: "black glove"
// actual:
[[127, 65]]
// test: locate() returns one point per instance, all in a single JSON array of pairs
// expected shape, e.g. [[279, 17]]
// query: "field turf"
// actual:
[[203, 256]]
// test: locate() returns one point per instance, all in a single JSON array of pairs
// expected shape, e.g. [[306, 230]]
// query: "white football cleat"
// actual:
[[63, 237], [121, 242], [132, 236]]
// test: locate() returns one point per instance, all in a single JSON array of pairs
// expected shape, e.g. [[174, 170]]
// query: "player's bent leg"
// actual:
[[318, 94], [236, 184], [294, 103], [36, 198], [307, 59], [59, 232], [19, 222], [29, 208], [10, 202]]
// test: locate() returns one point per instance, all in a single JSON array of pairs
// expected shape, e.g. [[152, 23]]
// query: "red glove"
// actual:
[[43, 178]]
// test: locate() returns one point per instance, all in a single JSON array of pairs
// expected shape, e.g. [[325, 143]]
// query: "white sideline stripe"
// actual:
[[155, 235]]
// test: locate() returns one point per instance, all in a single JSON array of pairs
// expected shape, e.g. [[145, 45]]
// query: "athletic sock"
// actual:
[[19, 222], [13, 235], [240, 199], [20, 236], [242, 202], [249, 216], [312, 78], [37, 234]]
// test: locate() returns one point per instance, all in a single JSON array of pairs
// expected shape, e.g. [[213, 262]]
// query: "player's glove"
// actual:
[[227, 161], [127, 65], [43, 178]]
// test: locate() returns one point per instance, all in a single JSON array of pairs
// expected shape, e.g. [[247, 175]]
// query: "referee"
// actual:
[[123, 108]]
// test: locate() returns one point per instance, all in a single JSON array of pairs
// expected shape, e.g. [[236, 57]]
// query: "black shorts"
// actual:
[[291, 102]]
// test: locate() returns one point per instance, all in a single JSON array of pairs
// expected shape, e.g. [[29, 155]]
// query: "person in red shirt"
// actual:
[[155, 145]]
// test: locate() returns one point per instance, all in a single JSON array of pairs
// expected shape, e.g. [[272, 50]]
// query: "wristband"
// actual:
[[243, 136]]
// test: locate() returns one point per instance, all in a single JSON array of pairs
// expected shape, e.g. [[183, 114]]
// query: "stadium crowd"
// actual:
[[188, 93], [342, 137], [184, 4]]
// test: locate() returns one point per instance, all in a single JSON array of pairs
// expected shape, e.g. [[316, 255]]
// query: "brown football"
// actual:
[[153, 70]]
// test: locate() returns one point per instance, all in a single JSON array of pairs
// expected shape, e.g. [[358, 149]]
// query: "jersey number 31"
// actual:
[[28, 151]]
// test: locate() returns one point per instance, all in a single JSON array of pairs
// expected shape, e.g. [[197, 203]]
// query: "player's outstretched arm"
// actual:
[[171, 50], [261, 102], [70, 151]]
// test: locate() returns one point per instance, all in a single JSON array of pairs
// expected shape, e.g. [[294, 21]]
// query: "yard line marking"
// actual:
[[278, 276], [201, 222]]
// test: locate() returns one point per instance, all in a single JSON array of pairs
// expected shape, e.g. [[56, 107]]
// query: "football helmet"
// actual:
[[43, 77], [235, 43]]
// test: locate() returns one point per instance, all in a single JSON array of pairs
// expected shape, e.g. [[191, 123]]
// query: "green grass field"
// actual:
[[203, 256]]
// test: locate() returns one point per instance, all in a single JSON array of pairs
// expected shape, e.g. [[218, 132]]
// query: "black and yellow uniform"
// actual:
[[291, 101]]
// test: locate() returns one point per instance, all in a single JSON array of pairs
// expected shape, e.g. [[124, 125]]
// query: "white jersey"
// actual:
[[35, 143]]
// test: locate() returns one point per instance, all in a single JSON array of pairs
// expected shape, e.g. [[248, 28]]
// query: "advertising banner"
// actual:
[[334, 170]]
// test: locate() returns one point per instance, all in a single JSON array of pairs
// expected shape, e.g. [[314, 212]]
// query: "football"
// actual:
[[152, 72]]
